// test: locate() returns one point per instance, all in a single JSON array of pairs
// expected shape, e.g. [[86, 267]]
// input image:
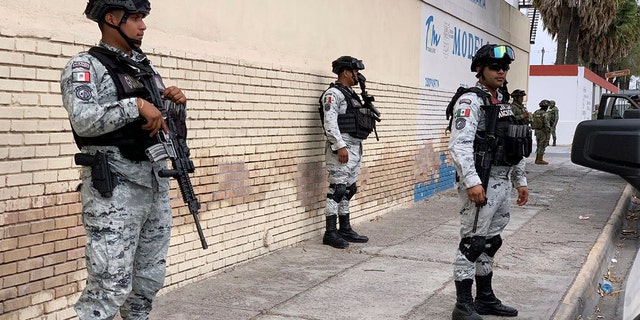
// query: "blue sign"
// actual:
[[433, 38]]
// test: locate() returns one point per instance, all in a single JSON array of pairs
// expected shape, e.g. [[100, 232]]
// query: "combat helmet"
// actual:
[[544, 103], [97, 9], [492, 53], [518, 93], [346, 62]]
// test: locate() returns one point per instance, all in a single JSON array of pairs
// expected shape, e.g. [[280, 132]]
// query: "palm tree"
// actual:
[[606, 50], [570, 20]]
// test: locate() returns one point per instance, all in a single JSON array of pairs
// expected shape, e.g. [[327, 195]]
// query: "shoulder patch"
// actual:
[[464, 101], [327, 100], [463, 112], [461, 123], [84, 93], [80, 64], [81, 76]]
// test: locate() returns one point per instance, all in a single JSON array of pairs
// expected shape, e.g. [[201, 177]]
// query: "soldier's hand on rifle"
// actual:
[[523, 196], [174, 94], [155, 122], [476, 194], [343, 155]]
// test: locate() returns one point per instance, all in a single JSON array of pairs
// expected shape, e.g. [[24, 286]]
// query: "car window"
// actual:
[[616, 107]]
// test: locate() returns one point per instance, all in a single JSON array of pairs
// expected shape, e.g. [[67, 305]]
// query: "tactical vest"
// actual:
[[357, 121], [513, 138], [131, 139]]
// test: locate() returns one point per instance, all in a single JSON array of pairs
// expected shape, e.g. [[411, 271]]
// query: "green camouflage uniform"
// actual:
[[553, 120], [542, 135], [519, 110]]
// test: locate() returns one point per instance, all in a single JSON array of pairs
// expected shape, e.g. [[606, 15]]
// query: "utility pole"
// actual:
[[542, 59]]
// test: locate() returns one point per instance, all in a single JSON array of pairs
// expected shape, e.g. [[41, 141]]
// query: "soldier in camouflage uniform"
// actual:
[[481, 225], [543, 133], [554, 116], [343, 151], [128, 227], [518, 107]]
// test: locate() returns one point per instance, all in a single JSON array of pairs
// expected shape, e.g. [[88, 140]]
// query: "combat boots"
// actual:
[[539, 159], [331, 236], [464, 309], [554, 142], [347, 233], [486, 301]]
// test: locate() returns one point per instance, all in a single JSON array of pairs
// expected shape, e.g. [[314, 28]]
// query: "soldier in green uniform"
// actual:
[[553, 119], [517, 106], [540, 123]]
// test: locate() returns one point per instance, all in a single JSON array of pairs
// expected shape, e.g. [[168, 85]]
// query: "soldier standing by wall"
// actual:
[[127, 211], [554, 116], [542, 126], [346, 123], [485, 212]]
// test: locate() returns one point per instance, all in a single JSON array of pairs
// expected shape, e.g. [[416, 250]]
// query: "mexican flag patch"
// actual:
[[463, 112], [81, 77]]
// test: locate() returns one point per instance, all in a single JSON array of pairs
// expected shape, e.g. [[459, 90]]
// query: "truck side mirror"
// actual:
[[609, 145]]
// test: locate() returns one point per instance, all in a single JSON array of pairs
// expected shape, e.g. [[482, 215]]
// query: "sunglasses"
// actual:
[[497, 66], [502, 52]]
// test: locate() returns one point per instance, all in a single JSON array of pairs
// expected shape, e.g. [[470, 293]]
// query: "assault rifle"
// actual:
[[484, 152], [368, 101], [171, 145]]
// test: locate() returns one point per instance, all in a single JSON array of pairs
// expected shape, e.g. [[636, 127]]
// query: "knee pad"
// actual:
[[492, 246], [339, 192], [352, 191], [472, 247]]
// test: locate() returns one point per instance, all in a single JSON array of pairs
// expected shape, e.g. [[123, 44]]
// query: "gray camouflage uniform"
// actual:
[[468, 118], [127, 234], [334, 103]]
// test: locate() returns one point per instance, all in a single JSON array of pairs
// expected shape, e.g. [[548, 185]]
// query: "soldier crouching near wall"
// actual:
[[346, 123], [126, 210]]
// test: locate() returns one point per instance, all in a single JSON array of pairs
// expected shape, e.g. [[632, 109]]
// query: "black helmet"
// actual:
[[518, 93], [492, 52], [96, 9], [346, 62], [544, 103]]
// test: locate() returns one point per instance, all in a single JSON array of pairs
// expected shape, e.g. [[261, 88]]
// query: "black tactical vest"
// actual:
[[131, 139], [357, 120], [513, 137]]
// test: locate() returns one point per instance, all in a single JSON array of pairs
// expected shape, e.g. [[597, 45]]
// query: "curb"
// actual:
[[583, 293]]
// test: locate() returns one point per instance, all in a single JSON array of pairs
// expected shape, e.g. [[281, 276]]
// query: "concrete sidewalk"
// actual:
[[405, 271]]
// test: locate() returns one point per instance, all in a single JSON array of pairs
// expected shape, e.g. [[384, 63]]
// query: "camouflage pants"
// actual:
[[127, 242], [553, 132], [492, 219], [542, 141], [342, 173]]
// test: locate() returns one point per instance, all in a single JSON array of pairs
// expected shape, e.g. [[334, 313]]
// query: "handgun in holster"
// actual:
[[102, 178]]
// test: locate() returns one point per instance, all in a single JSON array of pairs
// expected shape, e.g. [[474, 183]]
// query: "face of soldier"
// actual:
[[133, 28], [350, 77], [494, 76]]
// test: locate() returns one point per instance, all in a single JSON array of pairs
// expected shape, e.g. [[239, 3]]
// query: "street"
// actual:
[[405, 272]]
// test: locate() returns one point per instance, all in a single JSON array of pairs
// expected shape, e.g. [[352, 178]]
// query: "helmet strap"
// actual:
[[133, 43]]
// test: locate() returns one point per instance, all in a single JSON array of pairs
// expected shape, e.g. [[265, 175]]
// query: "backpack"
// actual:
[[537, 121], [456, 96]]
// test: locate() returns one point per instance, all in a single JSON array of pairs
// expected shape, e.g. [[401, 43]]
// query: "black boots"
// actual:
[[347, 233], [340, 238], [331, 236], [486, 301], [464, 309]]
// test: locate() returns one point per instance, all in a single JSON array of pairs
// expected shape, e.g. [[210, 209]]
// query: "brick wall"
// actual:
[[257, 144]]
